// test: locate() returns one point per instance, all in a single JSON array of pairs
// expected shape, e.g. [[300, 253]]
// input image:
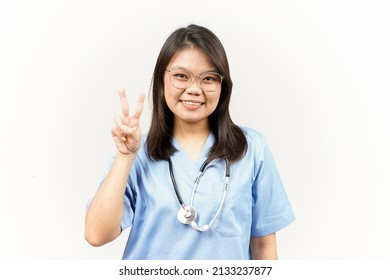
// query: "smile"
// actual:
[[191, 103]]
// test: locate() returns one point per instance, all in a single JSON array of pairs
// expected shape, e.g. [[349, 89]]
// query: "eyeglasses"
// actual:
[[182, 78]]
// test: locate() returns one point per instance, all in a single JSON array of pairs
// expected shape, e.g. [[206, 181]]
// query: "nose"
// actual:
[[194, 87]]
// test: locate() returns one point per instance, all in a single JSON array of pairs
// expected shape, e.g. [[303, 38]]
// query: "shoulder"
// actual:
[[253, 136], [257, 144], [144, 137], [143, 151]]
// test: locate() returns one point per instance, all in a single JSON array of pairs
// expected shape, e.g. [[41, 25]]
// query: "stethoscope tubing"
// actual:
[[196, 184], [174, 183]]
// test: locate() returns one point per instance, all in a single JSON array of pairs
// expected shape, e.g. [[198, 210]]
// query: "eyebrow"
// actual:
[[180, 67]]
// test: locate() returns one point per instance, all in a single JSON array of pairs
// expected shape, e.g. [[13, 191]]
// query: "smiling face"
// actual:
[[192, 105]]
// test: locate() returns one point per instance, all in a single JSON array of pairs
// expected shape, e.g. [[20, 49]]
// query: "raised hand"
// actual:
[[127, 132]]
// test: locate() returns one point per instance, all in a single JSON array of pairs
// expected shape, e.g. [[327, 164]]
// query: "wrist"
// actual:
[[129, 156]]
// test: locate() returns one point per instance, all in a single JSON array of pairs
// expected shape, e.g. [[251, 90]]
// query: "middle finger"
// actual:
[[124, 103]]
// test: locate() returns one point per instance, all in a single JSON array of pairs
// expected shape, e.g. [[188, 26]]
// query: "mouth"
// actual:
[[191, 102]]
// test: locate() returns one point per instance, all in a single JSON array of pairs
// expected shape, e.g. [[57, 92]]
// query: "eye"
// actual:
[[181, 75], [211, 78]]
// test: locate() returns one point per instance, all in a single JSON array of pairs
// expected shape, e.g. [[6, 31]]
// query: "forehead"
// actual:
[[191, 59]]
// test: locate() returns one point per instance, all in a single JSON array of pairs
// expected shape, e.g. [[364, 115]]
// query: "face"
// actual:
[[191, 105]]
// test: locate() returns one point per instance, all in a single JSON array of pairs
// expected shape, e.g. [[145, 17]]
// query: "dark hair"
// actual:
[[230, 141]]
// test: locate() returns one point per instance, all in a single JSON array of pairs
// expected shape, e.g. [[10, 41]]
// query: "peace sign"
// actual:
[[127, 132]]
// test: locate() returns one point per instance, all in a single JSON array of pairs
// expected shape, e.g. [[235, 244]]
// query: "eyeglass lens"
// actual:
[[182, 79]]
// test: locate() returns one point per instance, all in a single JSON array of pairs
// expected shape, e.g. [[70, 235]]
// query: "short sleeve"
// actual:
[[271, 209], [128, 210]]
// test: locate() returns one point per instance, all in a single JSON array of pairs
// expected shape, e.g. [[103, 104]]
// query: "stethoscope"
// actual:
[[187, 213]]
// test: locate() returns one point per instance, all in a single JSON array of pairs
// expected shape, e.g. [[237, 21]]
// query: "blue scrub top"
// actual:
[[256, 204]]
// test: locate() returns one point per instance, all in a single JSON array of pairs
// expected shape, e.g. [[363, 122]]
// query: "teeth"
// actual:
[[192, 103]]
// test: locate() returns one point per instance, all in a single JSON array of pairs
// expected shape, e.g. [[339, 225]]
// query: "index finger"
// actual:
[[124, 103]]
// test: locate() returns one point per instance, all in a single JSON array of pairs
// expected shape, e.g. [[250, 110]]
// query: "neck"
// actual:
[[186, 131], [191, 137]]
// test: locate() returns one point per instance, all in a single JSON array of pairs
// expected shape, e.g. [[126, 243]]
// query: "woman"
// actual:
[[196, 186]]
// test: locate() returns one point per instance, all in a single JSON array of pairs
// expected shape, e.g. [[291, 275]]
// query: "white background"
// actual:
[[313, 76]]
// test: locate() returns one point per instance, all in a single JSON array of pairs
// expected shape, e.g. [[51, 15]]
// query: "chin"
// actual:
[[192, 119]]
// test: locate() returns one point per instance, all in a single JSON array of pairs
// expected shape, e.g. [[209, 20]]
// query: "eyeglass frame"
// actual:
[[193, 78]]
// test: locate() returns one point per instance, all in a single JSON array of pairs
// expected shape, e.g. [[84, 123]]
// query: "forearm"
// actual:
[[104, 215], [264, 248]]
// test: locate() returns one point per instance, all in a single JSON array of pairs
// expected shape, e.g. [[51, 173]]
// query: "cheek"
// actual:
[[215, 100], [167, 92], [171, 98]]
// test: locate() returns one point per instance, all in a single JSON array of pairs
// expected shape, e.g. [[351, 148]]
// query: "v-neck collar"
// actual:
[[182, 156]]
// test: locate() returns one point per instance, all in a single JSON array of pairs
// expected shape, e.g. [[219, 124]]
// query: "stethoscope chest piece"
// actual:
[[186, 214]]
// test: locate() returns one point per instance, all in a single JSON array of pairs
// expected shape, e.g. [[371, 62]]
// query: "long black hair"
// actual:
[[230, 141]]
